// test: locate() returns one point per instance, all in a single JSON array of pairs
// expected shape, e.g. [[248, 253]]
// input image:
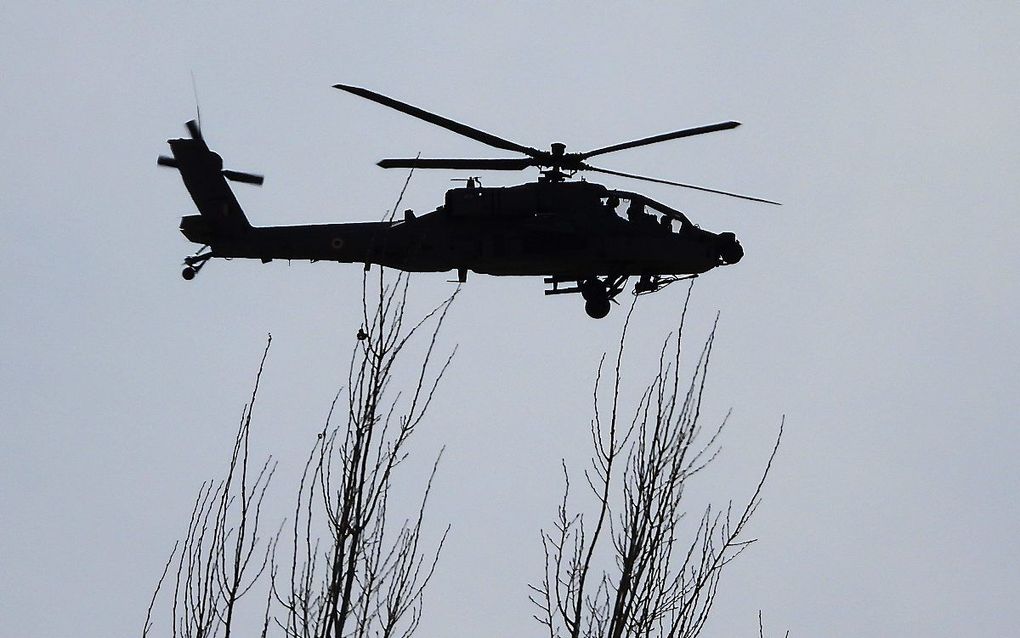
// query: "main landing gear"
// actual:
[[596, 297], [598, 292], [193, 264]]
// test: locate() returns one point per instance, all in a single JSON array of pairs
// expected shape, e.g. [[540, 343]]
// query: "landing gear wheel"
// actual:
[[189, 273], [597, 308], [593, 289]]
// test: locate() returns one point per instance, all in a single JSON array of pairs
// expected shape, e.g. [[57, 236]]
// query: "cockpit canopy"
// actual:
[[645, 212]]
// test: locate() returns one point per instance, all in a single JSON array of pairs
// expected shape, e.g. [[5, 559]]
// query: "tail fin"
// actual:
[[202, 170]]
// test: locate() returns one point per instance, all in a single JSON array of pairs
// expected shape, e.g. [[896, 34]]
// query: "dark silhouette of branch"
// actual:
[[761, 628], [222, 554], [366, 575], [631, 573], [155, 592]]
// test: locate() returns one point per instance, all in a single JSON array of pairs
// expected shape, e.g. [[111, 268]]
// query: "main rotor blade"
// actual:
[[461, 164], [692, 186], [687, 132], [432, 118]]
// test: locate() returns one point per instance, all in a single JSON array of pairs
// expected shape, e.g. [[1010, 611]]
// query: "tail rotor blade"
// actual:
[[198, 109], [245, 178], [194, 130], [196, 134]]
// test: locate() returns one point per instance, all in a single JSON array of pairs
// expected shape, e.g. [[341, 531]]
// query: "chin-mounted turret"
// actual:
[[730, 250]]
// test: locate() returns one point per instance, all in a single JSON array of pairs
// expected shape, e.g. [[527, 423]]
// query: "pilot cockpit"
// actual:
[[644, 213]]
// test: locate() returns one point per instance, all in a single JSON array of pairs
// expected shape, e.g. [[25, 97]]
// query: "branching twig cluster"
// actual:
[[351, 570], [649, 581], [363, 578], [222, 554]]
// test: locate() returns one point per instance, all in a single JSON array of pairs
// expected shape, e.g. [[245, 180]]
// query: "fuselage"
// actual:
[[568, 231]]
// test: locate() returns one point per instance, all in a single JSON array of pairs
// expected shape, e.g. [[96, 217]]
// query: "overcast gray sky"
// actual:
[[876, 308]]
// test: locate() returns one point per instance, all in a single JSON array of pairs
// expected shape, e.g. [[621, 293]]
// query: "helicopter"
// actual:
[[581, 237]]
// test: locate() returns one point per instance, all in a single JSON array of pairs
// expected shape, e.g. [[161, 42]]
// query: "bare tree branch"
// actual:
[[367, 575], [637, 581], [222, 554]]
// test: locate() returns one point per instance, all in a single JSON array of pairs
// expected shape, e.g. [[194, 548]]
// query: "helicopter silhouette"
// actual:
[[580, 236]]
